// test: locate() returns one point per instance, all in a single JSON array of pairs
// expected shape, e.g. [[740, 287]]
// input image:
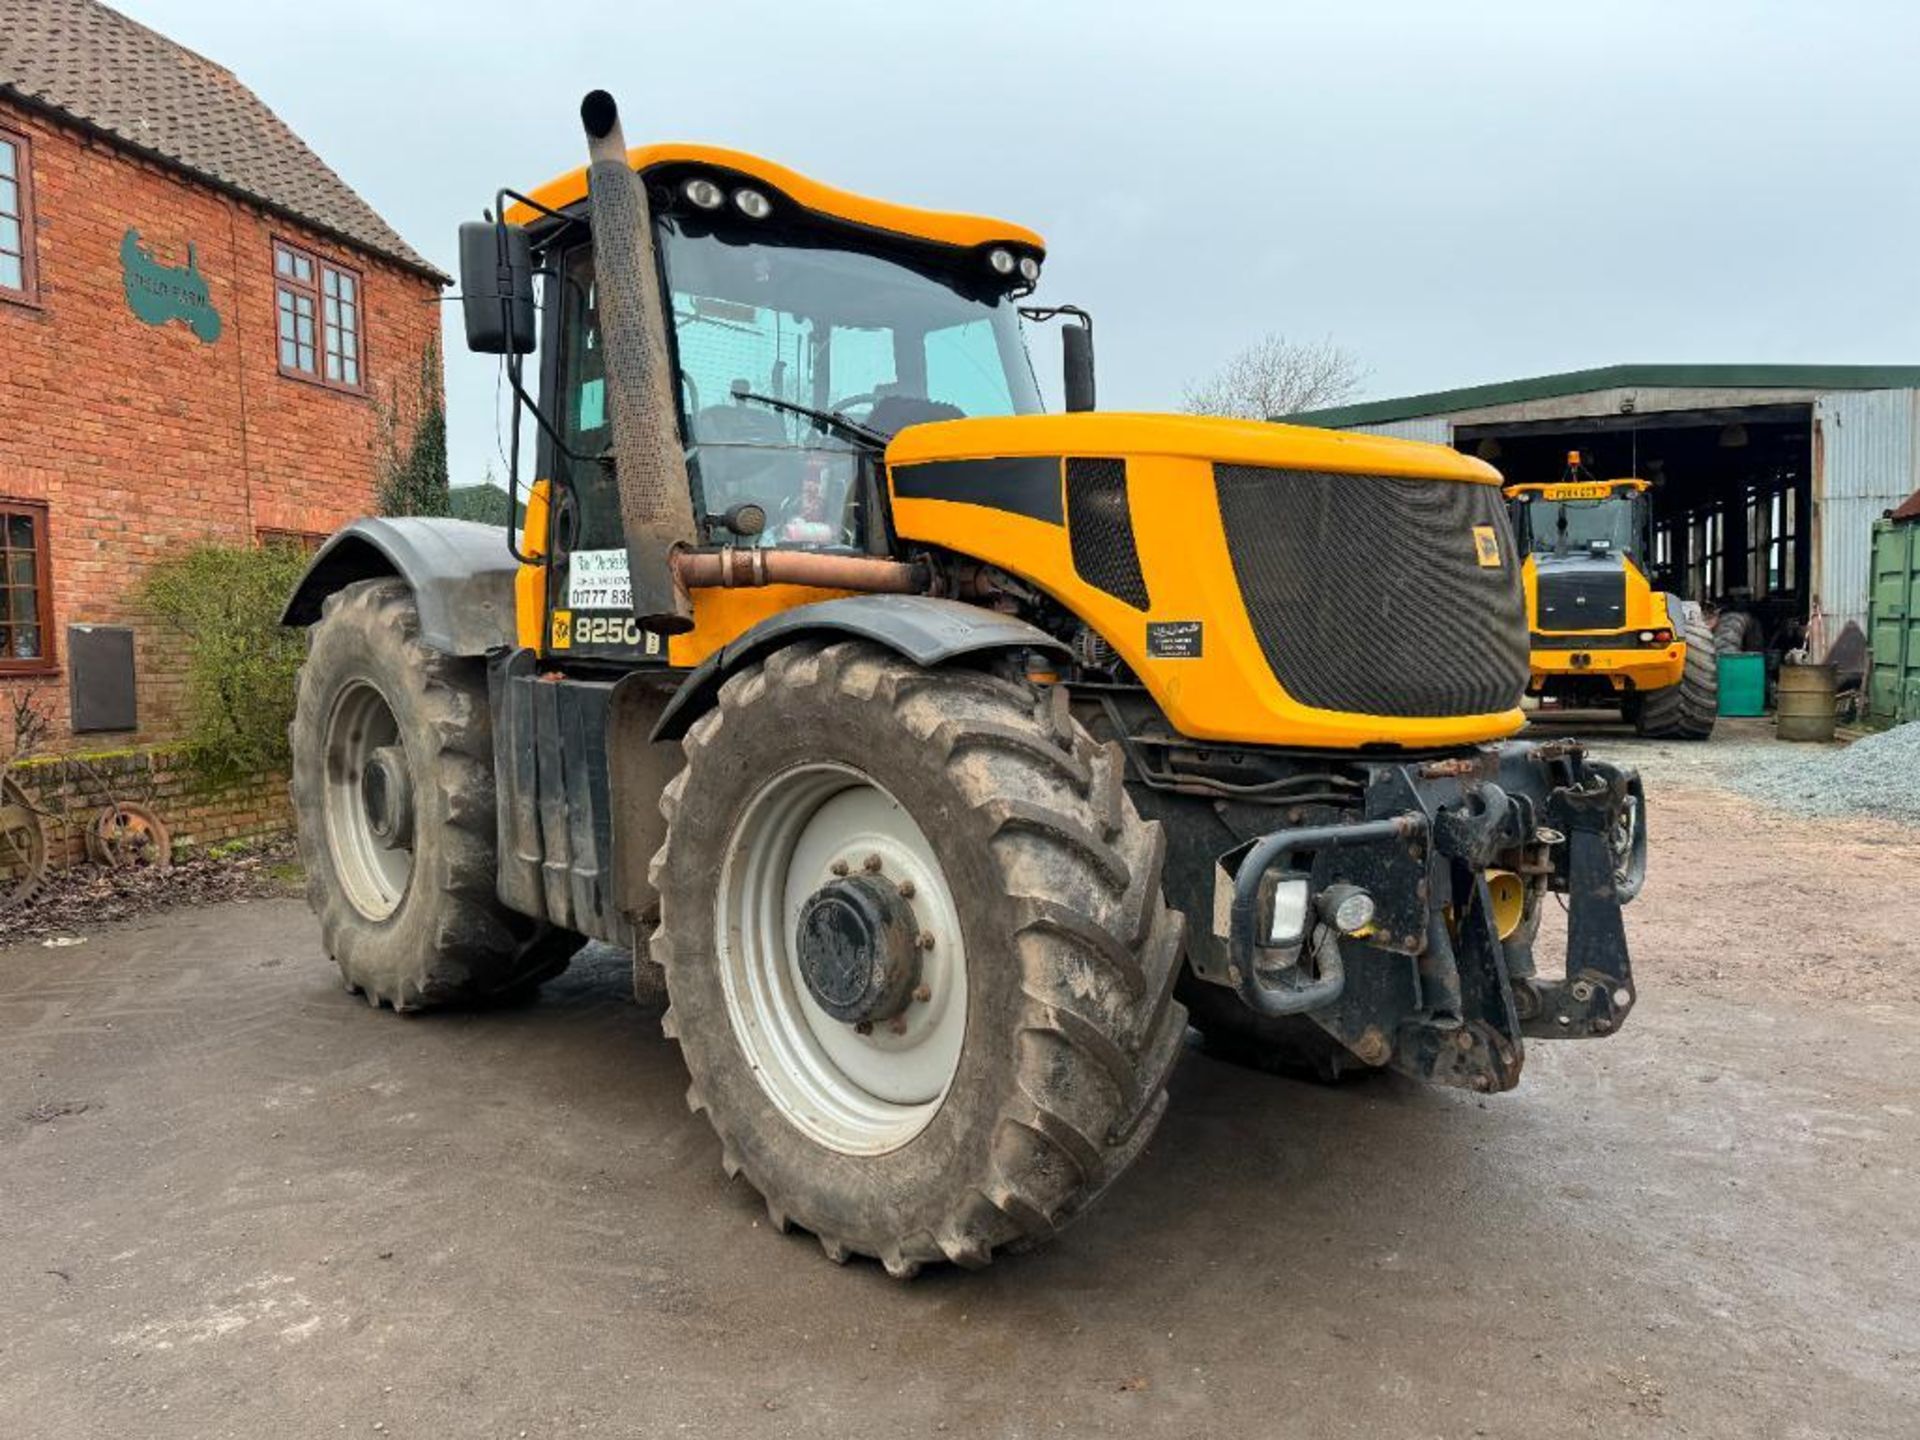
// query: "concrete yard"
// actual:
[[235, 1202]]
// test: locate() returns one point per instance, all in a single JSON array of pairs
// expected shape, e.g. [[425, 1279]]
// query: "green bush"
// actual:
[[220, 605]]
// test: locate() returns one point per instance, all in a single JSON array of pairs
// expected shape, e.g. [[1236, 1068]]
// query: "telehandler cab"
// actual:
[[1601, 633], [949, 756]]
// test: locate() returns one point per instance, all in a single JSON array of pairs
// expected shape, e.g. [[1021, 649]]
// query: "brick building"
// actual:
[[199, 325]]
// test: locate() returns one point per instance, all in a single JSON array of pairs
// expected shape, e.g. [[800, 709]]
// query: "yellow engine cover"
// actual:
[[1215, 556]]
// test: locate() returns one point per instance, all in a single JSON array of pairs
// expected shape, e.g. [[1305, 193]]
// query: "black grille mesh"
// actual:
[[1585, 598], [1366, 593], [1100, 529]]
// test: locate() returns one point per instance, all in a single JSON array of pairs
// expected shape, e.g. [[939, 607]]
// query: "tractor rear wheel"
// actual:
[[918, 960], [394, 801], [1685, 711]]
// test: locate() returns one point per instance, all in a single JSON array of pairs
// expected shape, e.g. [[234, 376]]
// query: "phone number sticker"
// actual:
[[597, 580]]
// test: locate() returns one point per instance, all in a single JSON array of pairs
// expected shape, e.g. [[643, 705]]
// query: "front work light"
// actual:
[[1001, 260], [753, 204], [1029, 269], [703, 193]]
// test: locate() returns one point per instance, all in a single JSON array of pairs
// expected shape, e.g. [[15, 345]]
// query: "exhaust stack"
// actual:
[[656, 499]]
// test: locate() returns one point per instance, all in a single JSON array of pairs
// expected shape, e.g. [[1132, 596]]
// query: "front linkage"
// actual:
[[1407, 933]]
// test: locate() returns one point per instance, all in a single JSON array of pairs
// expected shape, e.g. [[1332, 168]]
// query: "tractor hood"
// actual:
[[1267, 583], [1192, 437]]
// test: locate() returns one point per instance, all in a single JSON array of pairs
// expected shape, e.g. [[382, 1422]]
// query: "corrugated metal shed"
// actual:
[[1866, 467], [1434, 429]]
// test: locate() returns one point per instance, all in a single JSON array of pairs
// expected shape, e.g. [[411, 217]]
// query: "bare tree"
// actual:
[[1276, 377]]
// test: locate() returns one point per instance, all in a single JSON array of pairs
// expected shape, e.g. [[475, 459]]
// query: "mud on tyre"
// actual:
[[982, 848], [394, 799]]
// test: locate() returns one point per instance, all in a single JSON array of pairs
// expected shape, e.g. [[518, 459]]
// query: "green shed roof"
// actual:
[[1615, 377]]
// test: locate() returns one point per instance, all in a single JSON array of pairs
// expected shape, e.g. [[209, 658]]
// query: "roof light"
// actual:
[[1001, 260], [753, 204], [1029, 269], [703, 192]]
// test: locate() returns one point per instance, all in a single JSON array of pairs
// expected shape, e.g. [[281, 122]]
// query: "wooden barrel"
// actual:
[[1804, 703]]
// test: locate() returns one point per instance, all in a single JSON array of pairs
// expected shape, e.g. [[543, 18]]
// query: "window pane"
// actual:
[[346, 287], [287, 355], [9, 161], [330, 282], [9, 197], [303, 269], [303, 329], [330, 307], [20, 531], [351, 371], [349, 344], [20, 567], [26, 642], [6, 642], [15, 609], [306, 357], [12, 275]]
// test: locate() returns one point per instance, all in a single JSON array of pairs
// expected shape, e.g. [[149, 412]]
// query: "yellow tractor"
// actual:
[[948, 756], [1601, 635]]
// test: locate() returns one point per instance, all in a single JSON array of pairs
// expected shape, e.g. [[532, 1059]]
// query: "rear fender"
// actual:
[[460, 571]]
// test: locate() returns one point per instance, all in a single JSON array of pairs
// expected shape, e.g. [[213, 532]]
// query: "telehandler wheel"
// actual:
[[1685, 711], [919, 962], [394, 795], [1281, 1045]]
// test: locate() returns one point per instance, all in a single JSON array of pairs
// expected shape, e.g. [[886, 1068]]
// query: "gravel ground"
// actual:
[[236, 1202]]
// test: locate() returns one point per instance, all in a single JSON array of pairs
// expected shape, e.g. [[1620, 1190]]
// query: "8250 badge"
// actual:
[[573, 631]]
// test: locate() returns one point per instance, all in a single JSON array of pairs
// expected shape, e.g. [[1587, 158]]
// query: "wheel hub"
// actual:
[[859, 949], [388, 795]]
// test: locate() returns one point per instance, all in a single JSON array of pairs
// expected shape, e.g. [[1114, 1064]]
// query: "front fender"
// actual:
[[460, 571], [926, 631]]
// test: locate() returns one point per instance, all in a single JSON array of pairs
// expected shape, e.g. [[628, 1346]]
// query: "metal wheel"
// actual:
[[128, 836], [820, 853], [23, 847], [368, 825]]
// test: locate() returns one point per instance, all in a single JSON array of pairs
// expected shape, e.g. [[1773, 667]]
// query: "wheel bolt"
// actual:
[[906, 889], [840, 867], [922, 993], [872, 864]]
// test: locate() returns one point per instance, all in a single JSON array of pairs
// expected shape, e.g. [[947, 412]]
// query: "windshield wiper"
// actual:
[[830, 421]]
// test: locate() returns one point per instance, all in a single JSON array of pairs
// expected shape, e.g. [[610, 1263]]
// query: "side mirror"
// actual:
[[496, 287], [1076, 354]]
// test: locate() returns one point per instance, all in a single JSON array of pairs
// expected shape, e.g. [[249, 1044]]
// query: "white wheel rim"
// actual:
[[371, 875], [856, 1093]]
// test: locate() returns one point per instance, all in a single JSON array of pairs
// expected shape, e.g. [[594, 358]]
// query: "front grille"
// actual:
[[1367, 594], [1100, 529], [1583, 598]]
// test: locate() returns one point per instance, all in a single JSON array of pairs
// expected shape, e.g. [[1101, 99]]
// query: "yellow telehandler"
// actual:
[[950, 757]]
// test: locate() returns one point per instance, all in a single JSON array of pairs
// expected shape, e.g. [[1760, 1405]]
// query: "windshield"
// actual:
[[878, 338], [1569, 527]]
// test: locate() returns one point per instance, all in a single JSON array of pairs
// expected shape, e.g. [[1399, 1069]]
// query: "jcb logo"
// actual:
[[1486, 547], [562, 630]]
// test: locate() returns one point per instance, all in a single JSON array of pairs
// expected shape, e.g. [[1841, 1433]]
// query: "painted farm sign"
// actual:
[[158, 293]]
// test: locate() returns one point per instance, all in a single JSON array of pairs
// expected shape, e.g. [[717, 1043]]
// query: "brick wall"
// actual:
[[143, 439], [75, 787]]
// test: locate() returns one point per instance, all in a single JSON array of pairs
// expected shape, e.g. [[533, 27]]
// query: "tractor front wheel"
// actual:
[[919, 963]]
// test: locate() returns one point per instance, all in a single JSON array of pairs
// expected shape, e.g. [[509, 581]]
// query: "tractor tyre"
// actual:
[[1685, 711], [919, 963], [1289, 1045], [394, 800]]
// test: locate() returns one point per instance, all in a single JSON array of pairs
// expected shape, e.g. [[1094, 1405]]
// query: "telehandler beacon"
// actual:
[[950, 757]]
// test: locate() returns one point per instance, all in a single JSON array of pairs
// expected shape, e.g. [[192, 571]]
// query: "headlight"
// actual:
[[753, 204], [1289, 923], [1029, 269], [1001, 260], [703, 192]]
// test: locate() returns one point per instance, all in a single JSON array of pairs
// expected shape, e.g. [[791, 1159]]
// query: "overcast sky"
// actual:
[[1458, 192]]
